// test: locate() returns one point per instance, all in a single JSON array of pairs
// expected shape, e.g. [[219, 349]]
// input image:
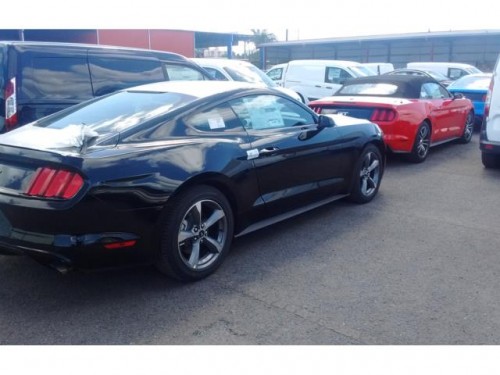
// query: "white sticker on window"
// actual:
[[216, 123]]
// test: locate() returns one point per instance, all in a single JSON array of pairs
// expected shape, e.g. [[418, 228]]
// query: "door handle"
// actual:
[[317, 86], [268, 151]]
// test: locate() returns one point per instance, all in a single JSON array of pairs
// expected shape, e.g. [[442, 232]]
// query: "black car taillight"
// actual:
[[383, 115], [55, 183]]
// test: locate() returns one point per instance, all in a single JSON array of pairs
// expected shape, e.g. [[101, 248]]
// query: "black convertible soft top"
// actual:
[[409, 87]]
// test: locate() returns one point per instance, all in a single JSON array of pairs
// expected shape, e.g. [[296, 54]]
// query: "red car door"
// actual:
[[440, 110], [444, 111]]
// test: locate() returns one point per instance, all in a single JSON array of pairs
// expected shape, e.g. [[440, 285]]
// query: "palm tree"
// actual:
[[262, 36]]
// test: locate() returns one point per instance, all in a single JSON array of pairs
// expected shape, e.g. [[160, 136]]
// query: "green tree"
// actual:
[[262, 36]]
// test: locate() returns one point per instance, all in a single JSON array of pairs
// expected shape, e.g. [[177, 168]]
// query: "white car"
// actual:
[[451, 70], [243, 71], [489, 139]]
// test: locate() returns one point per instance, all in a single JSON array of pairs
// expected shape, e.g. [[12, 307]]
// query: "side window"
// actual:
[[275, 74], [336, 75], [218, 119], [269, 112], [110, 74], [215, 74], [456, 73], [62, 78], [176, 72], [432, 90]]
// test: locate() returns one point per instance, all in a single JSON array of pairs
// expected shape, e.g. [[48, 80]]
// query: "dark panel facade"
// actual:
[[479, 48]]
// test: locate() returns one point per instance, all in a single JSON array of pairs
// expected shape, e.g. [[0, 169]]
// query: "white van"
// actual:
[[277, 73], [243, 71], [489, 139], [314, 79], [450, 69]]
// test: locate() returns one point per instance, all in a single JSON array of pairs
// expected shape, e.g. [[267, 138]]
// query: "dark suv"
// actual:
[[37, 79]]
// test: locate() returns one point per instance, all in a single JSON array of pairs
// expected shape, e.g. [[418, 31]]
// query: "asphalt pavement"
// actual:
[[418, 265]]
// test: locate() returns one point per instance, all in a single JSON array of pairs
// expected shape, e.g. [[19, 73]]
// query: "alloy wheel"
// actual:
[[423, 142], [369, 174], [202, 234]]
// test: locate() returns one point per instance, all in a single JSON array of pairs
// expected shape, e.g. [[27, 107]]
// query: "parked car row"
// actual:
[[168, 173]]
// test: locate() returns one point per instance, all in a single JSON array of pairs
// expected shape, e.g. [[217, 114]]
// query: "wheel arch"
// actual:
[[215, 180]]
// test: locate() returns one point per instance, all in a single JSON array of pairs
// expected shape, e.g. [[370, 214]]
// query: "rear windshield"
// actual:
[[117, 112], [384, 89]]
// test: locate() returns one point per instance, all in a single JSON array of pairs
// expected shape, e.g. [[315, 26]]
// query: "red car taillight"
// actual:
[[55, 183], [10, 104], [383, 115]]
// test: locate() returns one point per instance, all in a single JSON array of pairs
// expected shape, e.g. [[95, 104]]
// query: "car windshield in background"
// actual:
[[383, 89], [472, 83], [117, 112], [249, 74], [362, 71], [473, 70], [436, 75]]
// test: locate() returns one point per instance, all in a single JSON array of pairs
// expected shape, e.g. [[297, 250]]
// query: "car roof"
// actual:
[[408, 86], [435, 63], [196, 89], [219, 62], [343, 63], [100, 47]]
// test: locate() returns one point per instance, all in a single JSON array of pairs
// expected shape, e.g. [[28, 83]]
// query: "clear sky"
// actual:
[[303, 19]]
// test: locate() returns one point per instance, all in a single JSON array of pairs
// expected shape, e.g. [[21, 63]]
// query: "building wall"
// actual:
[[182, 42], [479, 50]]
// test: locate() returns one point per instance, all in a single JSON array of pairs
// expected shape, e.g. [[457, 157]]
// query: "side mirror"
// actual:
[[458, 95], [325, 122]]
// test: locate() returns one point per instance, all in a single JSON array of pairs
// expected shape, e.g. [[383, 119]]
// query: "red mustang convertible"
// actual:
[[415, 113]]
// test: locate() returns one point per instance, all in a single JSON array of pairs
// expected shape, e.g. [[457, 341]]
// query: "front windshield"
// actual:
[[473, 70], [437, 76], [361, 71], [116, 112], [249, 73]]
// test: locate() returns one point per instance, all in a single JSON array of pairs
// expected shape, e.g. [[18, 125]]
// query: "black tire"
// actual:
[[367, 175], [490, 160], [422, 144], [195, 234], [468, 129]]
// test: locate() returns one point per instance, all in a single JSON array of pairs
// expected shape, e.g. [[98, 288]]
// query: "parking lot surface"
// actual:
[[418, 265]]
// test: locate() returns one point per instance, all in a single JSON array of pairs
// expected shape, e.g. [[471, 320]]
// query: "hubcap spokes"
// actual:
[[423, 142], [469, 126], [369, 174], [202, 234]]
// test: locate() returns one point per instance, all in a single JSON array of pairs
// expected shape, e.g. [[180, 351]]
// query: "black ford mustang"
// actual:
[[168, 173]]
